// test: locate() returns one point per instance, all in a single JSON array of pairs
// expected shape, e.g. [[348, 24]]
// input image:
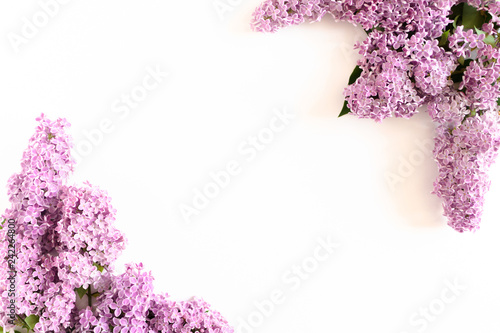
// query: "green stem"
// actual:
[[89, 295], [23, 323]]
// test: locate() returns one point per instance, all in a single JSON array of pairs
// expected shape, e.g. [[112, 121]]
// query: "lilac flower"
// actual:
[[87, 225], [449, 108], [416, 15], [194, 315], [274, 14], [440, 53], [66, 241], [87, 318], [384, 88], [464, 155]]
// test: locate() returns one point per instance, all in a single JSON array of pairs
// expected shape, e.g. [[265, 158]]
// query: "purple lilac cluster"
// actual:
[[442, 54], [66, 244], [464, 154], [402, 64], [273, 15]]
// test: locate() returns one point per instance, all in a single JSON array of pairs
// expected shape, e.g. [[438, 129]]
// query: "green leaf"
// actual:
[[444, 38], [345, 110], [498, 102], [355, 74], [1, 329], [472, 17], [455, 16], [467, 63], [457, 77], [99, 267], [80, 291], [456, 10], [31, 321], [488, 39]]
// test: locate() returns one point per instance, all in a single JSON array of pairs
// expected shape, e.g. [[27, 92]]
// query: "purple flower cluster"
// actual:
[[402, 64], [464, 155], [404, 16], [189, 316], [66, 244], [442, 54], [272, 15]]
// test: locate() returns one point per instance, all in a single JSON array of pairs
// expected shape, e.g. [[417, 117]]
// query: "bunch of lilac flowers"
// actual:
[[440, 54], [65, 247]]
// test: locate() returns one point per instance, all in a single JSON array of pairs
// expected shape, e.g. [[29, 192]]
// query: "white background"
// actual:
[[320, 177]]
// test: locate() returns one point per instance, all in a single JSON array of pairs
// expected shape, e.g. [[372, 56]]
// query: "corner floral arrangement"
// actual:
[[59, 243], [439, 54]]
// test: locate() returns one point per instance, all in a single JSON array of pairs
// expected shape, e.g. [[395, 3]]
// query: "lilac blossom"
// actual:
[[449, 108], [272, 15], [194, 315], [464, 155], [442, 54], [66, 245]]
